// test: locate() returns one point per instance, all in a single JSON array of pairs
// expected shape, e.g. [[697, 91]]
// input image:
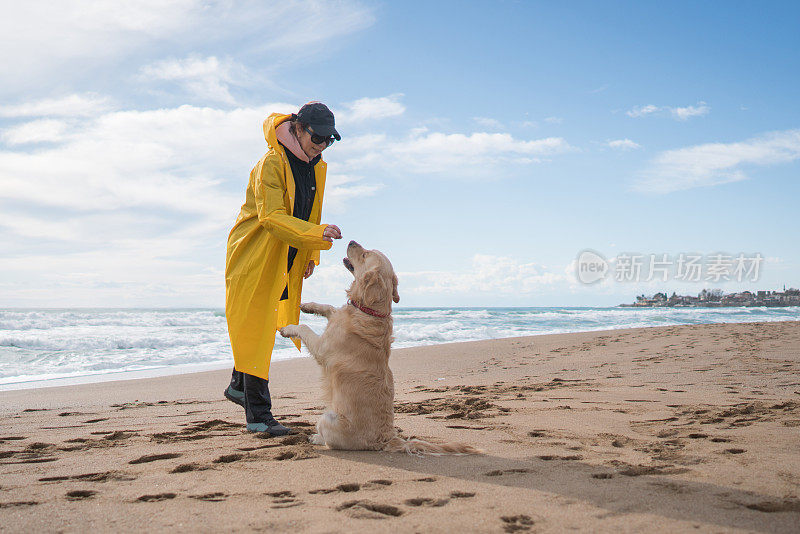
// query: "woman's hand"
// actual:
[[331, 232], [309, 269]]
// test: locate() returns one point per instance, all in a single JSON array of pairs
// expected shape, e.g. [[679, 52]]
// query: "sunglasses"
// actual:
[[318, 139]]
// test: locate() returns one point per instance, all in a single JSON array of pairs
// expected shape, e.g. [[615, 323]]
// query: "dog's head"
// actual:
[[375, 284]]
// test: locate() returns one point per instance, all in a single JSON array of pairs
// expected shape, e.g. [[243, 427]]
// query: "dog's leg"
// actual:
[[329, 431], [307, 336], [324, 310]]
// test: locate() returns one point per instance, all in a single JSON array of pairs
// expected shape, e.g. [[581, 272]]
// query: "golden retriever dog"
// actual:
[[353, 353]]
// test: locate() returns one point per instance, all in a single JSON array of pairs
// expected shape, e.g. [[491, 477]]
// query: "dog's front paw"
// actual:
[[316, 439], [291, 330], [309, 307]]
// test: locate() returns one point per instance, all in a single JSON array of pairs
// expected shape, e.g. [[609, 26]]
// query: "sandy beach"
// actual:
[[669, 429]]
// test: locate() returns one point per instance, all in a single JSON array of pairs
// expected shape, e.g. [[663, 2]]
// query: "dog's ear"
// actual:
[[395, 294], [373, 287]]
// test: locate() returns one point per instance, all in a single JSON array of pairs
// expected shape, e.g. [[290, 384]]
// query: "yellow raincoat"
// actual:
[[258, 246]]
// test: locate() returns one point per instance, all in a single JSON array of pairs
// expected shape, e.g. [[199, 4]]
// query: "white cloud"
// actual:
[[688, 112], [126, 159], [475, 153], [38, 131], [429, 152], [677, 113], [190, 164], [717, 163], [37, 35], [133, 208], [488, 122], [205, 78], [553, 120], [302, 25], [641, 111], [488, 274], [144, 195], [69, 106], [71, 40], [365, 109], [341, 189], [623, 144]]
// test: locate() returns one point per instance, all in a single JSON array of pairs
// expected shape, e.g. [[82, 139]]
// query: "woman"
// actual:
[[273, 246]]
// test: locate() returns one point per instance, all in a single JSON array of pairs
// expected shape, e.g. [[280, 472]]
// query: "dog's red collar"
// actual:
[[368, 311]]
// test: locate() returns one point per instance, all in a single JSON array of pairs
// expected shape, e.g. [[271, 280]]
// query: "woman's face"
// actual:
[[311, 149]]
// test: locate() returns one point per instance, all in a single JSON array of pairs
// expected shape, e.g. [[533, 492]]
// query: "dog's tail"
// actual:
[[420, 447]]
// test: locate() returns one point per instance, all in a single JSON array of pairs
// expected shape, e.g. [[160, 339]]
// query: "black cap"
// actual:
[[320, 118]]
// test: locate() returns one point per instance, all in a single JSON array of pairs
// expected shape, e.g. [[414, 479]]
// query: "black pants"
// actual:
[[257, 402]]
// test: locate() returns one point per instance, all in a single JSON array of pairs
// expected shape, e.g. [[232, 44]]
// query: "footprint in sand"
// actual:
[[34, 453], [196, 430], [17, 504], [157, 497], [787, 505], [361, 509], [284, 499], [79, 495], [154, 457], [185, 468], [91, 477], [516, 523], [119, 435], [548, 457], [500, 472], [425, 501], [639, 470], [295, 439], [348, 487], [229, 458], [210, 497], [299, 452]]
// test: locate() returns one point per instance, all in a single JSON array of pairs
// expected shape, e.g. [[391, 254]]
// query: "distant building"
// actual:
[[716, 298]]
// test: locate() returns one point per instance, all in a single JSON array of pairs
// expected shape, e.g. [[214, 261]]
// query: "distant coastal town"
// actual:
[[715, 298]]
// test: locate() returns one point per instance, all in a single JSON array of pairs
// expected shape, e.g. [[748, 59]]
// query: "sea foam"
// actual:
[[46, 344]]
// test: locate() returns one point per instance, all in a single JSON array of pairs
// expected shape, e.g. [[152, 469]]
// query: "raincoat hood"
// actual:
[[271, 123], [277, 128]]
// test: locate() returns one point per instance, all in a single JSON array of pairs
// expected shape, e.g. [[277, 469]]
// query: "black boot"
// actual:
[[258, 407], [235, 391]]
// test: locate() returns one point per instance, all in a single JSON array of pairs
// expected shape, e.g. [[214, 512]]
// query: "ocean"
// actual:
[[41, 347]]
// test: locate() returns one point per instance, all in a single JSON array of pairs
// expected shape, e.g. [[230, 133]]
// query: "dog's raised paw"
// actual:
[[288, 331]]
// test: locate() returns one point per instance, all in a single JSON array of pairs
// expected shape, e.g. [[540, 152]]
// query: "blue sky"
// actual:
[[485, 144]]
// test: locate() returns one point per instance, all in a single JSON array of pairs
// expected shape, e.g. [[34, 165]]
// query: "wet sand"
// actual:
[[679, 428]]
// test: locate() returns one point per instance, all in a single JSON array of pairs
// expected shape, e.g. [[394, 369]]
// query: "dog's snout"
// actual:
[[353, 244]]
